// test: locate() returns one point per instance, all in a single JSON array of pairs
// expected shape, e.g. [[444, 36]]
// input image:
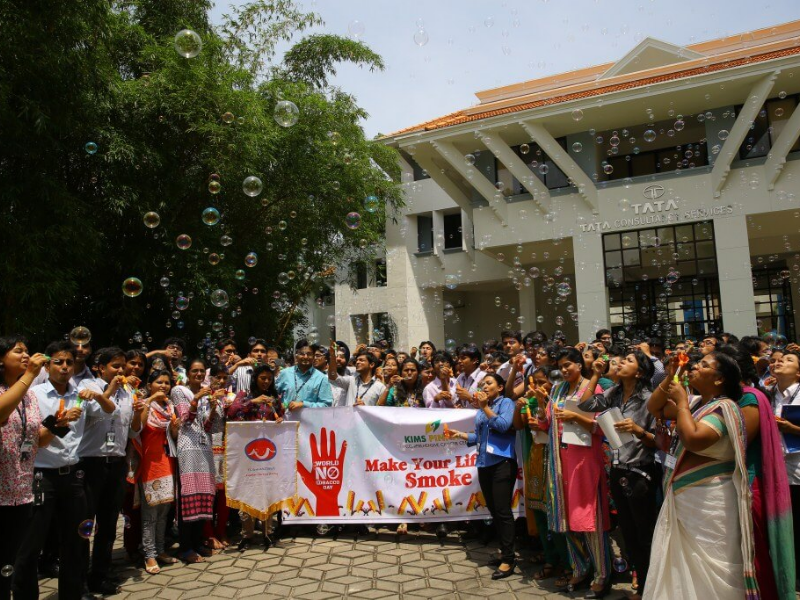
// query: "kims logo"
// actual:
[[260, 450]]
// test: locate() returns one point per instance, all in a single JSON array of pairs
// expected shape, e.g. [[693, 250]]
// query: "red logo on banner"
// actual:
[[324, 477], [260, 450]]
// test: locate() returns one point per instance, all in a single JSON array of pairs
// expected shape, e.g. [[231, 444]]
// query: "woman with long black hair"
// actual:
[[635, 476]]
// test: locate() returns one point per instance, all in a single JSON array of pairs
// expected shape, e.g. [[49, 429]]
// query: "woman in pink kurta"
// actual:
[[577, 496]]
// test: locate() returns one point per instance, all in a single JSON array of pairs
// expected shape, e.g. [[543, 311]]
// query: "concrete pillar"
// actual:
[[591, 293], [735, 275], [527, 308]]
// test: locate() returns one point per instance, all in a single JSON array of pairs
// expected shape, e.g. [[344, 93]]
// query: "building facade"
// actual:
[[658, 195]]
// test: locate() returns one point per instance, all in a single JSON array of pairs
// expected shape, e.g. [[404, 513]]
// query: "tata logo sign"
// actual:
[[260, 450], [653, 192]]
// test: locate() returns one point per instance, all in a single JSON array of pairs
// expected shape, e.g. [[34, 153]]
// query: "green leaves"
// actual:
[[72, 222]]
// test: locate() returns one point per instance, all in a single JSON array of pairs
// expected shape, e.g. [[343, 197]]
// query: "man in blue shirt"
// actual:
[[302, 386]]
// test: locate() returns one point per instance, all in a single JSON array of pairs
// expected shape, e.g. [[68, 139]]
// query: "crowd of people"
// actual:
[[699, 474]]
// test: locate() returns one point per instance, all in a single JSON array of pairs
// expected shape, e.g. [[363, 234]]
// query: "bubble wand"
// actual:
[[683, 360]]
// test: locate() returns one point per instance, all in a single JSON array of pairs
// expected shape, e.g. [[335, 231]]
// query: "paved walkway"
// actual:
[[373, 566]]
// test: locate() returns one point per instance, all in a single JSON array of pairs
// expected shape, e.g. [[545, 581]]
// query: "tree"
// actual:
[[167, 130]]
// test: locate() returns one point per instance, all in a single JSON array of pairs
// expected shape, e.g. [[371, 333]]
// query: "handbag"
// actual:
[[663, 435]]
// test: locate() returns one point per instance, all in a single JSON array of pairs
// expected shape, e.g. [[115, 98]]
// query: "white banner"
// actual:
[[372, 464], [260, 466]]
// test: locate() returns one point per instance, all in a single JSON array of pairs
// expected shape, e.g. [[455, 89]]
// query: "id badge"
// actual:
[[38, 498], [111, 438], [670, 461], [26, 447]]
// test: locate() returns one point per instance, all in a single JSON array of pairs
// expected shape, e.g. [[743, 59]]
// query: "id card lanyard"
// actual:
[[359, 395], [111, 435], [25, 445]]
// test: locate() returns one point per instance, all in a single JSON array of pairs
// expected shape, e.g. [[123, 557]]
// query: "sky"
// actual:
[[473, 45]]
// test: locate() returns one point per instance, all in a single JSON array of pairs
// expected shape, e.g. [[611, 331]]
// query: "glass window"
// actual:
[[611, 241], [424, 233], [380, 272], [452, 231], [655, 294], [360, 273]]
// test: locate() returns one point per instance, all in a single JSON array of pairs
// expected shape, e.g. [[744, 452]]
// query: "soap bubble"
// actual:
[[7, 571], [90, 147], [181, 303], [214, 186], [286, 113], [563, 289], [282, 225], [679, 125], [85, 529], [673, 276], [620, 564], [188, 43], [214, 258], [164, 282], [227, 117], [132, 287], [624, 204], [608, 169], [353, 220], [421, 37], [252, 186], [577, 114], [469, 159], [356, 29], [723, 134], [226, 240], [183, 241], [80, 336], [335, 137], [543, 168], [649, 135], [211, 216], [219, 298], [451, 281], [251, 260], [371, 203], [239, 274], [577, 147], [151, 220], [524, 148]]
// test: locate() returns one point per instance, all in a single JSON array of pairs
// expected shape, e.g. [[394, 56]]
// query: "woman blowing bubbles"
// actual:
[[497, 465], [703, 543]]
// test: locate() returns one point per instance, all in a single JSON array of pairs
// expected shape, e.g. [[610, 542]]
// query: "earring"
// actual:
[[717, 383]]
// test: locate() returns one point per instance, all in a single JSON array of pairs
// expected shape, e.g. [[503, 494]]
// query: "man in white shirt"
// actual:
[[441, 392], [469, 380], [242, 371], [361, 389], [59, 495], [512, 345]]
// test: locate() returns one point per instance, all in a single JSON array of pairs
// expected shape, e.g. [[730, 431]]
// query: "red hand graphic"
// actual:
[[326, 474]]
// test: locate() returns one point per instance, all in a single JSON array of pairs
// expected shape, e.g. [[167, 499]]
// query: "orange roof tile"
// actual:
[[462, 116]]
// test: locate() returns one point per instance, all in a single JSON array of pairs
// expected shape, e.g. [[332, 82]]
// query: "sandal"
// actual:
[[166, 559], [152, 569], [214, 544], [191, 557], [402, 529], [563, 581], [546, 572]]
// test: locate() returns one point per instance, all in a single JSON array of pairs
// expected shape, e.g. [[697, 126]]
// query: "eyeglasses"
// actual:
[[62, 361], [707, 343]]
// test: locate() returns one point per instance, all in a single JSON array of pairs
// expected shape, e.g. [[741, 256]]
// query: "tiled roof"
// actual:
[[461, 116]]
